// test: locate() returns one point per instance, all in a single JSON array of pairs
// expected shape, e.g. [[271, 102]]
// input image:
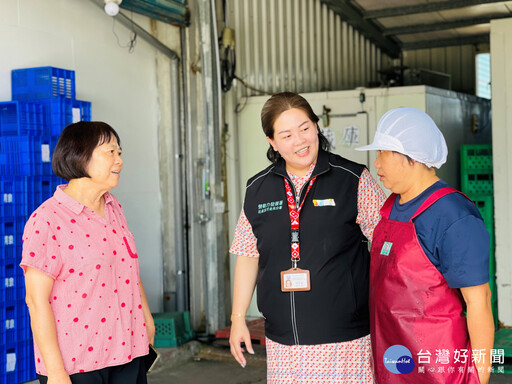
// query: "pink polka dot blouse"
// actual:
[[96, 297]]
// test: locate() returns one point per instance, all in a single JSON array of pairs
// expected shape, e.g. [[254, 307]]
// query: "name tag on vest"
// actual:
[[324, 203], [386, 248]]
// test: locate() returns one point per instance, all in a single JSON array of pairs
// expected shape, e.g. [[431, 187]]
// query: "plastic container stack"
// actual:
[[477, 184], [172, 329], [43, 103]]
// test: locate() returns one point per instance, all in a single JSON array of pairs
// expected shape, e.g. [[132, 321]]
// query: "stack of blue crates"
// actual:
[[43, 103]]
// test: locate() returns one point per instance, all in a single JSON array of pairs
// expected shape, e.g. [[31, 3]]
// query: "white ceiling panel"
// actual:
[[419, 24]]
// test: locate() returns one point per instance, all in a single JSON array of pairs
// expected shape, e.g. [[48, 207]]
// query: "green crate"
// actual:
[[493, 286], [172, 329], [503, 340], [476, 157], [485, 204], [476, 182]]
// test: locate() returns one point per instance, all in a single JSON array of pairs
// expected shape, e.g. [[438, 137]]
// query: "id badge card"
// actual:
[[295, 279]]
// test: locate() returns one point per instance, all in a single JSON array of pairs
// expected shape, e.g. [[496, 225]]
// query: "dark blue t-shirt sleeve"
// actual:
[[463, 253]]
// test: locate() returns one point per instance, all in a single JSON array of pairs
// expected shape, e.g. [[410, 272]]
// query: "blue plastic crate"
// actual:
[[8, 281], [9, 363], [14, 321], [26, 155], [83, 109], [21, 118], [11, 253], [17, 362], [11, 233], [13, 196], [21, 195], [42, 83], [8, 323], [27, 367], [40, 189], [60, 112]]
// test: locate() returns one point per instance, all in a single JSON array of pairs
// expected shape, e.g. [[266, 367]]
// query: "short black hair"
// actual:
[[76, 145], [409, 159]]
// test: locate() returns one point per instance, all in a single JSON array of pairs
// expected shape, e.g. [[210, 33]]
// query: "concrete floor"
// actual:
[[197, 363], [211, 372]]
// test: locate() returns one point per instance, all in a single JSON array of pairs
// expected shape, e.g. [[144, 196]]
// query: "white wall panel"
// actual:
[[122, 86], [501, 57]]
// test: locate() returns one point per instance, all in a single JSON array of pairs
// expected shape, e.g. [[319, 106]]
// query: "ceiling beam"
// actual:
[[354, 17], [423, 8], [148, 37], [421, 28], [466, 40]]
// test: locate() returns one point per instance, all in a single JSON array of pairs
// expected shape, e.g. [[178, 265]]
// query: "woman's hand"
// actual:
[[148, 317], [150, 329], [240, 333], [246, 271], [59, 378]]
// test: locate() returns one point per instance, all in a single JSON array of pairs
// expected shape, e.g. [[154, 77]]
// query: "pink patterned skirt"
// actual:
[[346, 362]]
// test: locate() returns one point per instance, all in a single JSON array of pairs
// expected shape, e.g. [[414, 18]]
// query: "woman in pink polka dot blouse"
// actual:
[[89, 313]]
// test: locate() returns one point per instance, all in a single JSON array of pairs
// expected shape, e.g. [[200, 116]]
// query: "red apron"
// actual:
[[412, 305]]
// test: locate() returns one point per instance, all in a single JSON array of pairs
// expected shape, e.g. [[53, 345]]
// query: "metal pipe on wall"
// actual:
[[181, 271], [181, 266], [215, 248]]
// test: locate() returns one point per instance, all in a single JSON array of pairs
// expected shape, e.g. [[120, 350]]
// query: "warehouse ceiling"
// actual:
[[169, 11], [396, 25]]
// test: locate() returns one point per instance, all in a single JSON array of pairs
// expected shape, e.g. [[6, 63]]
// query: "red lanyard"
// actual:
[[294, 218]]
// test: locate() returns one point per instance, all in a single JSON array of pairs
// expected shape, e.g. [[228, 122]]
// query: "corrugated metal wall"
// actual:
[[458, 61], [300, 46]]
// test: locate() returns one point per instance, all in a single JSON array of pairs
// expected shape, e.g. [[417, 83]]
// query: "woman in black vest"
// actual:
[[302, 240]]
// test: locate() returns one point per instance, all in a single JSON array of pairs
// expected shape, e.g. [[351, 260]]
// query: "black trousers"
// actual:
[[133, 372]]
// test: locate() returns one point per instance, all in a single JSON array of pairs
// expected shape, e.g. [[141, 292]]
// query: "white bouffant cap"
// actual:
[[411, 132]]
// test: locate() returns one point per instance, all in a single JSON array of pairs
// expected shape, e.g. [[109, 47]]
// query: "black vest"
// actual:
[[332, 248]]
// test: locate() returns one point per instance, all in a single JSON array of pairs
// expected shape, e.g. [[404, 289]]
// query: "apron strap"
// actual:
[[433, 198], [385, 211]]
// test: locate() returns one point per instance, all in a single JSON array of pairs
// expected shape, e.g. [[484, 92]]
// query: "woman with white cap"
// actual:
[[429, 262]]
